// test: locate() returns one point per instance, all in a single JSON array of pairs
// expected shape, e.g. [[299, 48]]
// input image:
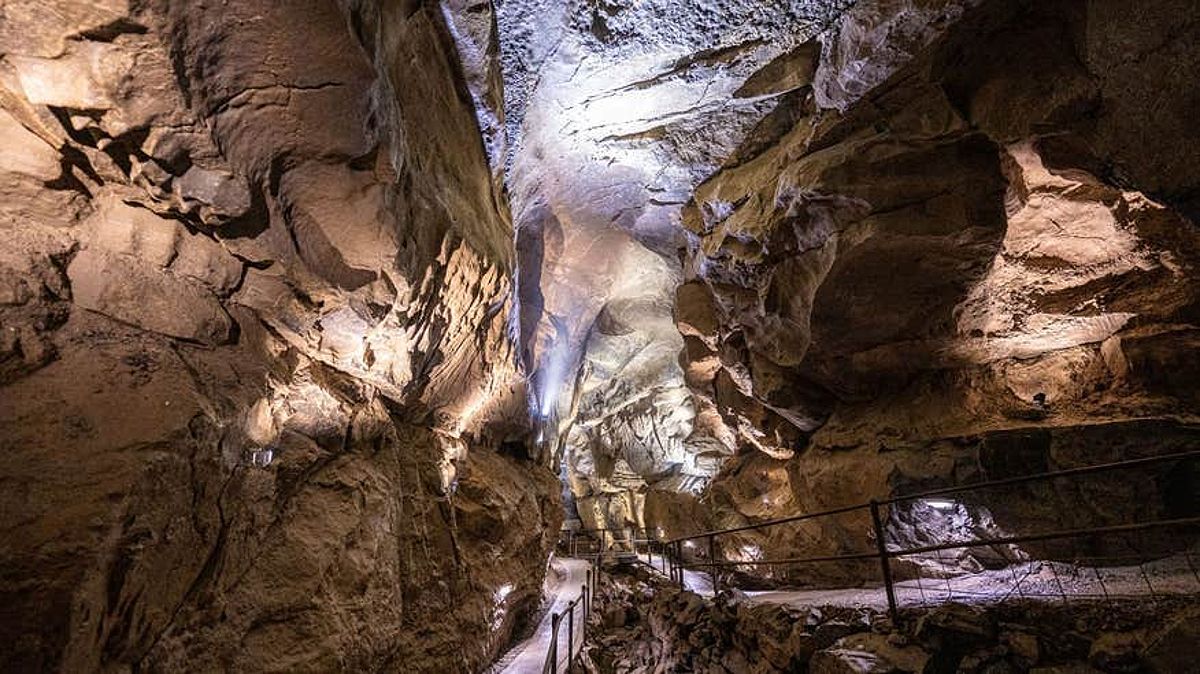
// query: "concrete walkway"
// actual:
[[563, 584], [693, 581], [1039, 580]]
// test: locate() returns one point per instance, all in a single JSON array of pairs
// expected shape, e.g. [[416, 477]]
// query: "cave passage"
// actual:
[[617, 336]]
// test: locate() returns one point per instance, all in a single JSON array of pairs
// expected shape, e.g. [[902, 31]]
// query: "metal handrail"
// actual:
[[884, 555], [975, 543], [1022, 479], [771, 523], [550, 664], [1066, 472]]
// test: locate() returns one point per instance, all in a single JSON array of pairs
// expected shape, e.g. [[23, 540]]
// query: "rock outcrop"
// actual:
[[616, 111], [286, 384], [639, 625], [875, 225], [255, 372], [953, 230]]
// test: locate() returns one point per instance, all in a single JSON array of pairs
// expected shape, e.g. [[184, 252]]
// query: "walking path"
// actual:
[[1051, 581], [1036, 579], [564, 582]]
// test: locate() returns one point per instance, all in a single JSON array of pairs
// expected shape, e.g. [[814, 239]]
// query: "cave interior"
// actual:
[[378, 335]]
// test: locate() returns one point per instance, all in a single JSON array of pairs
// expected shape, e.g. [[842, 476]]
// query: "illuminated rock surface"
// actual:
[[303, 304], [231, 227], [887, 228], [887, 289]]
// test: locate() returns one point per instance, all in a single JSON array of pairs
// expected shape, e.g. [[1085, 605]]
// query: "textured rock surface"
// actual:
[[615, 112], [246, 226], [880, 290], [641, 624], [270, 339], [876, 226]]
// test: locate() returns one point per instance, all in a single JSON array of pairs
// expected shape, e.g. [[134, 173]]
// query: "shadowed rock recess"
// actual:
[[318, 319]]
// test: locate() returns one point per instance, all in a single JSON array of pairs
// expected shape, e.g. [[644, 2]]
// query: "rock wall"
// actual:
[[254, 369], [875, 226], [955, 223]]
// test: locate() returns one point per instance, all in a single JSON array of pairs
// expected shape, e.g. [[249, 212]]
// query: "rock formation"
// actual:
[[887, 234], [255, 364], [313, 314], [884, 288], [649, 627]]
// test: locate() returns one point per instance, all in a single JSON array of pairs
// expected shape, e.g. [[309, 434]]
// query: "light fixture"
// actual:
[[261, 457], [502, 593]]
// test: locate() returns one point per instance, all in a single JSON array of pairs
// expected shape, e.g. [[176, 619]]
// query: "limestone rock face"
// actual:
[[254, 364], [615, 112], [874, 225], [868, 228], [305, 306], [878, 293]]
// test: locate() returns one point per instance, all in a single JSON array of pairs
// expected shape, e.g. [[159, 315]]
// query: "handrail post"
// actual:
[[570, 637], [885, 563], [674, 561], [554, 620], [712, 561], [679, 554], [587, 600]]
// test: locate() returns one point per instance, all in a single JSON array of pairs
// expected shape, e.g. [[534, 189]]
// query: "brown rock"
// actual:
[[1116, 651], [131, 292], [1171, 650]]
